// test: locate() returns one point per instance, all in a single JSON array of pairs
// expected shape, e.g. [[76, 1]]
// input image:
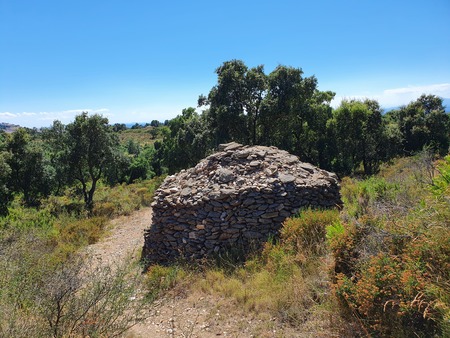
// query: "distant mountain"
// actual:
[[129, 125], [446, 104], [8, 127]]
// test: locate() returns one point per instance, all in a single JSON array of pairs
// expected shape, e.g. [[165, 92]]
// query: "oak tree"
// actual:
[[90, 144]]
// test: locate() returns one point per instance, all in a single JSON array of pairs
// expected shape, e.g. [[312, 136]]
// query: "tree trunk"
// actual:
[[90, 196]]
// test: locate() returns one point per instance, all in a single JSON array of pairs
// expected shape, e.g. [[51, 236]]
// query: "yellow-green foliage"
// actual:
[[81, 232], [124, 199], [66, 204], [143, 136], [162, 278], [109, 201], [41, 296], [65, 225], [24, 218], [392, 259], [359, 196], [306, 233], [441, 184], [37, 247]]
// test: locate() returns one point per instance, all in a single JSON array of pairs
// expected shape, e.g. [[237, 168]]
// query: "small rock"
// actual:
[[286, 178]]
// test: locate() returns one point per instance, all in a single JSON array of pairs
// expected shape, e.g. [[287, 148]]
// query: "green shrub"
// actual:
[[24, 218], [307, 232], [280, 261], [160, 278], [124, 199], [66, 204], [360, 196], [334, 230]]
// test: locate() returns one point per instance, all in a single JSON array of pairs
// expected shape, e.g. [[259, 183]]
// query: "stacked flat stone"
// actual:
[[235, 197]]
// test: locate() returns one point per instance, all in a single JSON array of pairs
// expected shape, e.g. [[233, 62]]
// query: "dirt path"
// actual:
[[185, 311], [126, 237]]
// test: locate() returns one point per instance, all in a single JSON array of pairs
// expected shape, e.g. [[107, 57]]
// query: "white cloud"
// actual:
[[443, 88], [99, 111], [39, 119], [8, 115], [79, 111], [399, 96]]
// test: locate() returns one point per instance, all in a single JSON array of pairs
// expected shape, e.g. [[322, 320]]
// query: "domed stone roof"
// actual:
[[240, 194]]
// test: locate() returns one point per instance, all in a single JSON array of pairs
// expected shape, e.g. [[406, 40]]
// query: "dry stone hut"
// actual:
[[236, 196]]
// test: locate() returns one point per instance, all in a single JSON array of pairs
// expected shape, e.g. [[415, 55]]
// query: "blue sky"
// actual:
[[135, 61]]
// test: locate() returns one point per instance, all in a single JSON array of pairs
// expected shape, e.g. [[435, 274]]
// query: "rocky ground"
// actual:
[[184, 312]]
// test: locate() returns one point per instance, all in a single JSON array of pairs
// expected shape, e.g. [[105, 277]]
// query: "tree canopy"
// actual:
[[423, 122], [283, 108], [357, 130], [287, 110], [89, 148]]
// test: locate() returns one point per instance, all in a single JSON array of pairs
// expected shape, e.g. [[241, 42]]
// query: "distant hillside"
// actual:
[[8, 127], [142, 136], [142, 124]]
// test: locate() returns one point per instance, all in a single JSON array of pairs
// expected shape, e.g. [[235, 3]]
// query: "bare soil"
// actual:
[[126, 237]]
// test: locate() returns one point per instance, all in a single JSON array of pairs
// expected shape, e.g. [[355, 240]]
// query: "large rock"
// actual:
[[236, 197]]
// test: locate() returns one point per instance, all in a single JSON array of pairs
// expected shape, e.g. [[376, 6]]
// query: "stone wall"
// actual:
[[234, 197]]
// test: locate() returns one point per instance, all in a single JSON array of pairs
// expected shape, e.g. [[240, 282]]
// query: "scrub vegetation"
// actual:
[[378, 267]]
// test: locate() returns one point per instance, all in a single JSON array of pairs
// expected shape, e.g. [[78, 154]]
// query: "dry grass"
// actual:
[[142, 136], [289, 281]]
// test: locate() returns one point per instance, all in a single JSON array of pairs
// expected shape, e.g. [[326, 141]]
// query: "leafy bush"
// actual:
[[24, 218], [66, 204], [307, 232], [81, 232], [361, 196], [124, 199]]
